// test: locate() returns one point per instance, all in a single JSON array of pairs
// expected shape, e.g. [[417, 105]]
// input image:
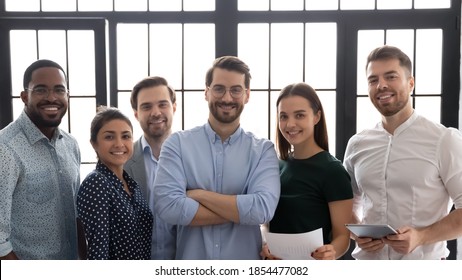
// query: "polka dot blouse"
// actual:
[[117, 225]]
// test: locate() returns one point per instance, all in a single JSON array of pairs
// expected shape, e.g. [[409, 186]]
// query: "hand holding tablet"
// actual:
[[372, 231]]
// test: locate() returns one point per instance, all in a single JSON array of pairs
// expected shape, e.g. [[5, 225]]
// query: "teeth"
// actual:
[[384, 97], [118, 153], [227, 106], [50, 109]]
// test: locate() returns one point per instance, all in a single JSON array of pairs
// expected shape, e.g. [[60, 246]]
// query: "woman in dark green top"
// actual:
[[315, 188]]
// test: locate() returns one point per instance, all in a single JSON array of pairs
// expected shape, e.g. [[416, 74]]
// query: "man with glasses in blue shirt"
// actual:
[[39, 172], [217, 182]]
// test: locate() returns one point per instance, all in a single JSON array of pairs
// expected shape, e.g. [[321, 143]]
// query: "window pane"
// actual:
[[124, 105], [253, 49], [52, 45], [357, 4], [199, 53], [22, 55], [367, 115], [367, 41], [253, 5], [177, 121], [165, 5], [429, 107], [394, 4], [58, 5], [166, 55], [321, 59], [196, 109], [81, 62], [322, 5], [286, 5], [403, 39], [92, 5], [86, 168], [132, 59], [429, 4], [80, 125], [286, 58], [18, 107], [199, 5], [22, 5], [429, 52], [132, 5], [254, 118]]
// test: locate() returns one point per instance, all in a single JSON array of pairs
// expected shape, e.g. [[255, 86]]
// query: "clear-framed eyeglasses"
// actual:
[[42, 91], [235, 91]]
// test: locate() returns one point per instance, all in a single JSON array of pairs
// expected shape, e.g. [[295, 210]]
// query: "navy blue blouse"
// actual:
[[117, 225]]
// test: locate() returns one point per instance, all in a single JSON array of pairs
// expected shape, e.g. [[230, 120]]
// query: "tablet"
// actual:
[[372, 231]]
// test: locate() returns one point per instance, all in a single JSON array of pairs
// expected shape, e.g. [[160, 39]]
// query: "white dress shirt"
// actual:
[[411, 178]]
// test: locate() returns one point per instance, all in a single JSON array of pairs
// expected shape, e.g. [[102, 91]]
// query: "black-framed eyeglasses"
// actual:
[[44, 91], [235, 91]]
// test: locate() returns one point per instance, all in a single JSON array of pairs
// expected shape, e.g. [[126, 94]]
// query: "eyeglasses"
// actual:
[[44, 91], [235, 91]]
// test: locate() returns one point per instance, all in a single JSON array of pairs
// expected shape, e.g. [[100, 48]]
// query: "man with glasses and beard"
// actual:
[[39, 172], [217, 182]]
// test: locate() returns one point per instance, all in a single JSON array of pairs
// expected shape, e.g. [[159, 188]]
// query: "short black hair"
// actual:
[[41, 63]]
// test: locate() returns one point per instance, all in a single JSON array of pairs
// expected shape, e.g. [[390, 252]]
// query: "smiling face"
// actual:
[[114, 144], [46, 111], [155, 111], [226, 109], [389, 87], [296, 121]]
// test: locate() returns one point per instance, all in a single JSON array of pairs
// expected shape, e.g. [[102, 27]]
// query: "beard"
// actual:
[[226, 117], [156, 131], [41, 121], [391, 109]]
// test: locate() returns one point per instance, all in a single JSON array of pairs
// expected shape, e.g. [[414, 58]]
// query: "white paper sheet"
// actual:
[[296, 246]]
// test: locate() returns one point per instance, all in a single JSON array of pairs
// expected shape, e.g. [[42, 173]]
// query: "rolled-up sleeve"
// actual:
[[170, 184], [258, 205]]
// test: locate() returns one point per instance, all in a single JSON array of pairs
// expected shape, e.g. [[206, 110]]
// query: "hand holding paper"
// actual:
[[296, 246]]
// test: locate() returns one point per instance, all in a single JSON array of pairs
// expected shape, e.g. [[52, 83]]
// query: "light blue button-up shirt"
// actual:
[[243, 165], [163, 234], [38, 181]]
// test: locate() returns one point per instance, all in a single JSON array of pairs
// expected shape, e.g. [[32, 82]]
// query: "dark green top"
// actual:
[[307, 186]]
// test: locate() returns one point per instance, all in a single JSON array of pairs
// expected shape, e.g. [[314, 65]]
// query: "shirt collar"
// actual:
[[101, 167], [32, 132], [405, 124], [213, 136], [147, 148]]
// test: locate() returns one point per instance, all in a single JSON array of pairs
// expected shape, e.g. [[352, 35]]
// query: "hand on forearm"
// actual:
[[220, 204], [206, 217]]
